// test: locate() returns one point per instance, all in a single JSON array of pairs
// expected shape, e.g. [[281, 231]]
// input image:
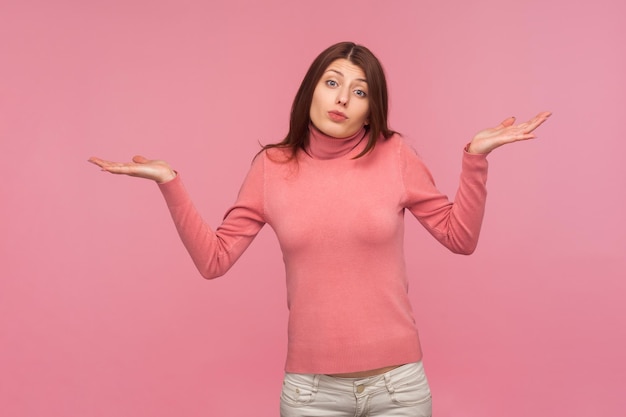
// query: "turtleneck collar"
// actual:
[[322, 146]]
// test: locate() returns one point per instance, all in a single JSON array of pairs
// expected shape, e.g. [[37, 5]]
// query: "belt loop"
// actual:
[[388, 383], [316, 382]]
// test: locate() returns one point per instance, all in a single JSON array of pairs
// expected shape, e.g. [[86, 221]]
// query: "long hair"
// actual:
[[298, 135]]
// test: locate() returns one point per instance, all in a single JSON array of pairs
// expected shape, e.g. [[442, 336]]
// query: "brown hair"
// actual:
[[298, 135]]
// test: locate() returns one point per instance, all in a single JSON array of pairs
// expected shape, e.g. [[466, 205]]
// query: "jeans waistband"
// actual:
[[349, 384]]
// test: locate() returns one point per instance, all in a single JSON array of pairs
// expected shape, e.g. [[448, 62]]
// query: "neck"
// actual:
[[322, 146]]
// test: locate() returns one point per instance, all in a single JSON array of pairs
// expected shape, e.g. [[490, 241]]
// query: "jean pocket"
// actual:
[[411, 389], [298, 389], [408, 395]]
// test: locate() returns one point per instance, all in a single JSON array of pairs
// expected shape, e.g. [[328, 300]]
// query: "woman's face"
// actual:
[[340, 105]]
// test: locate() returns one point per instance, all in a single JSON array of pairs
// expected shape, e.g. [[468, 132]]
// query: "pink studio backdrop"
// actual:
[[101, 310]]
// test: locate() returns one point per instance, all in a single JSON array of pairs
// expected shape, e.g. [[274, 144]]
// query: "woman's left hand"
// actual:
[[487, 140]]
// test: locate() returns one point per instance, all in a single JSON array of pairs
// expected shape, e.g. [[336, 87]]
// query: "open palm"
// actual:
[[152, 169], [507, 132]]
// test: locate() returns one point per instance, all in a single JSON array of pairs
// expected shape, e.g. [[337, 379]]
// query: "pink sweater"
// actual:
[[339, 222]]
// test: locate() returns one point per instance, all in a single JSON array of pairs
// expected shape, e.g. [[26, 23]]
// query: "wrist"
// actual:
[[473, 149], [470, 149], [167, 178]]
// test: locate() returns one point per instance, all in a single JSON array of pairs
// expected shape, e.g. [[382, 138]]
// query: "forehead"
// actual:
[[345, 68]]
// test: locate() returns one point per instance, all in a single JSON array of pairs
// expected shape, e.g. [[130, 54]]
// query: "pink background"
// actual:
[[101, 310]]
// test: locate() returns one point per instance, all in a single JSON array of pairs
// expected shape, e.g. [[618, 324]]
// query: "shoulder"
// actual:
[[395, 141], [275, 163], [408, 159], [277, 155], [398, 146]]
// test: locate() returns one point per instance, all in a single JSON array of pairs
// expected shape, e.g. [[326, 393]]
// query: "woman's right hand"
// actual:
[[157, 170]]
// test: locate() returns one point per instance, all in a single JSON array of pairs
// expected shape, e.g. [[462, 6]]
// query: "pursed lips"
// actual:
[[337, 115]]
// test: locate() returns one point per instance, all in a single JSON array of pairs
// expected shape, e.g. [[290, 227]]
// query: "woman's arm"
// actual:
[[456, 224], [213, 252]]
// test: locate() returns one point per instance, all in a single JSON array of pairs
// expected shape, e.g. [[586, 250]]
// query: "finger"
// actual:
[[99, 162], [518, 138], [106, 165], [536, 122], [508, 122], [544, 114], [95, 160], [140, 159], [113, 167], [120, 169]]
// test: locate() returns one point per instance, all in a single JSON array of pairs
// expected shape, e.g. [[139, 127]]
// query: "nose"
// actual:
[[342, 97]]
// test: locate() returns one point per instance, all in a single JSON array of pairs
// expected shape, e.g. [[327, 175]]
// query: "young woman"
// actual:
[[335, 191]]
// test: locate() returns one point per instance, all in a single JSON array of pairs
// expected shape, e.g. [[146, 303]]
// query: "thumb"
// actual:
[[140, 159], [508, 122]]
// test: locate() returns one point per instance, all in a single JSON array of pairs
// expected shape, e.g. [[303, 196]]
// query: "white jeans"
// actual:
[[401, 392]]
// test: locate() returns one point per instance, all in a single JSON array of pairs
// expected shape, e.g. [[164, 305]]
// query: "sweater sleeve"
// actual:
[[214, 252], [455, 224]]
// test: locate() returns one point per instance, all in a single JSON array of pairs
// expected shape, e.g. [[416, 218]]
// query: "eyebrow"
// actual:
[[340, 73]]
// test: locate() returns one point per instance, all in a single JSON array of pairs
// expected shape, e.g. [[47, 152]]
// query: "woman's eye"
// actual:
[[360, 93], [331, 83]]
